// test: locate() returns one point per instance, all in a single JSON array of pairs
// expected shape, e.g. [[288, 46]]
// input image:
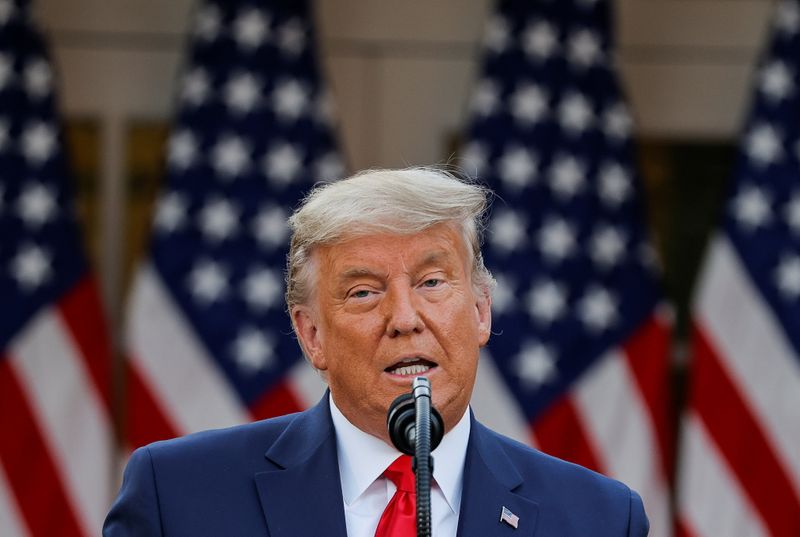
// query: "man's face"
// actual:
[[387, 309]]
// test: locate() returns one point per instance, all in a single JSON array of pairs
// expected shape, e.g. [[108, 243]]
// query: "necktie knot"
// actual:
[[401, 474]]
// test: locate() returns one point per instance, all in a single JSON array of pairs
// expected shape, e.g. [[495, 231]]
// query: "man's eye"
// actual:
[[361, 293], [432, 282]]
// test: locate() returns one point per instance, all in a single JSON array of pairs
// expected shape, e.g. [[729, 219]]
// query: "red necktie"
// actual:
[[399, 519]]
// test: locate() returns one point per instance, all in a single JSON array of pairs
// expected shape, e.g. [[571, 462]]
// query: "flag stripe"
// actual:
[[186, 383], [74, 421], [306, 384], [560, 432], [31, 471], [614, 415], [647, 355], [81, 311], [275, 401], [144, 420], [740, 439], [760, 361], [711, 500], [11, 522]]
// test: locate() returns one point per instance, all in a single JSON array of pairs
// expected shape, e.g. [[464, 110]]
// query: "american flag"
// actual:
[[56, 436], [581, 344], [739, 471], [209, 340]]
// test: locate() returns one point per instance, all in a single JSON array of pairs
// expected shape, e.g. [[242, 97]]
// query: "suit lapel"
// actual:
[[490, 480], [302, 495]]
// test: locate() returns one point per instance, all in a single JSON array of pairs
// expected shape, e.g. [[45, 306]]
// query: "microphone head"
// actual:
[[402, 420]]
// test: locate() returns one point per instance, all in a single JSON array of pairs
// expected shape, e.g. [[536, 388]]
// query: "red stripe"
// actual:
[[81, 311], [740, 438], [277, 401], [647, 356], [32, 475], [560, 432], [682, 529], [145, 422]]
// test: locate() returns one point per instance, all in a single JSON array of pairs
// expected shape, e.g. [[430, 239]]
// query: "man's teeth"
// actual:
[[415, 369]]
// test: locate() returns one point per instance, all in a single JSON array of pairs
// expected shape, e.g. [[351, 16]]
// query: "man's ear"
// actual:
[[484, 309], [307, 329]]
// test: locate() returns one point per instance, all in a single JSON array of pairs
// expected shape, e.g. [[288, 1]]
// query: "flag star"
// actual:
[[270, 227], [792, 213], [36, 205], [250, 29], [752, 208], [196, 87], [38, 78], [474, 159], [507, 231], [556, 240], [31, 267], [517, 168], [230, 156], [282, 164], [208, 23], [776, 81], [567, 176], [607, 247], [262, 289], [242, 92], [529, 104], [182, 150], [7, 10], [598, 309], [290, 99], [763, 144], [575, 114], [219, 219], [540, 40], [38, 142], [617, 122], [486, 98], [292, 38], [208, 282], [787, 17], [497, 34], [787, 277], [6, 70], [503, 295], [615, 184], [253, 351], [170, 212], [536, 365], [328, 167], [546, 302], [3, 134], [584, 48]]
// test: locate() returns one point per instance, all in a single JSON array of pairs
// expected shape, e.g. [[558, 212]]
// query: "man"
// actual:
[[385, 282]]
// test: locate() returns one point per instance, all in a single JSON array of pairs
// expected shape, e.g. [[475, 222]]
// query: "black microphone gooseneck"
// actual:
[[416, 428]]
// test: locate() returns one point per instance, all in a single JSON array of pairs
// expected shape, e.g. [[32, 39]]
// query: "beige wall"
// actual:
[[401, 72]]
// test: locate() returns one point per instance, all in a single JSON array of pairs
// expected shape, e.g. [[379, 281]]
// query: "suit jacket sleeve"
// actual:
[[136, 509], [638, 525]]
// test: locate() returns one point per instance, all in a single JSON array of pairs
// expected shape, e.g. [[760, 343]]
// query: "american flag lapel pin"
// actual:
[[509, 518]]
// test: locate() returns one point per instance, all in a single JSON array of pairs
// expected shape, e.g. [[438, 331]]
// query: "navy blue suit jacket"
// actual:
[[280, 477]]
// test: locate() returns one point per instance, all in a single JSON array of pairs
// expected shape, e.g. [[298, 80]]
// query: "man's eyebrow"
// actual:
[[357, 272]]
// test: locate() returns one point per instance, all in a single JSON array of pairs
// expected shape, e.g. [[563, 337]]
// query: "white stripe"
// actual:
[[306, 383], [761, 361], [70, 412], [179, 371], [11, 521], [494, 405], [614, 415], [710, 499]]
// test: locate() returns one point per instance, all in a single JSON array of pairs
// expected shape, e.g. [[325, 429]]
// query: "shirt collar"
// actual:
[[363, 458]]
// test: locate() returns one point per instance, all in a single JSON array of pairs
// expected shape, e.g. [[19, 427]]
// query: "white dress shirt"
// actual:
[[362, 460]]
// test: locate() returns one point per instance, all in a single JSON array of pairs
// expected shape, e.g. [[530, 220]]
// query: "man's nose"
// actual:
[[402, 313]]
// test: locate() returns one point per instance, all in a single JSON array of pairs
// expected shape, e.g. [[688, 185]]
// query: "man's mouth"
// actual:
[[411, 366]]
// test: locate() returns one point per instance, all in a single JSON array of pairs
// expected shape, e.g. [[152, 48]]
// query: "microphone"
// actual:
[[416, 429]]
